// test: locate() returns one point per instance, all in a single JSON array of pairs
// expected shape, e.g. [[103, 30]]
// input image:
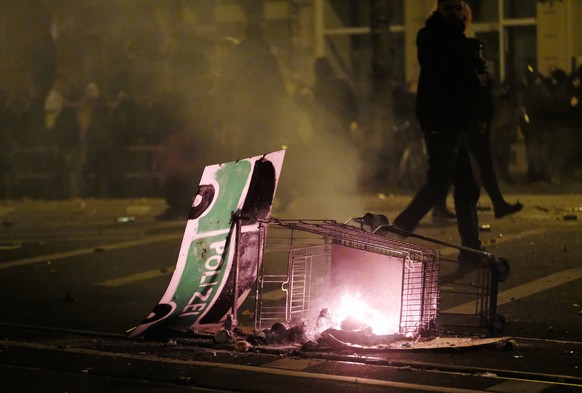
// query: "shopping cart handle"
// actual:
[[403, 234]]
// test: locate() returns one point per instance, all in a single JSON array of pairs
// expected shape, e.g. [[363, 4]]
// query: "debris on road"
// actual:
[[242, 346], [125, 219]]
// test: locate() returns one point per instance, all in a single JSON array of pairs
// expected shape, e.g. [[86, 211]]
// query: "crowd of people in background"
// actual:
[[86, 128], [251, 109], [546, 111], [551, 124]]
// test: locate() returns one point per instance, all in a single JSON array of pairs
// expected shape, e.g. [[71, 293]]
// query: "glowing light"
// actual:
[[355, 307]]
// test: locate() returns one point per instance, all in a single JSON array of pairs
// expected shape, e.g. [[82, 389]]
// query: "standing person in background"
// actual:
[[29, 117], [65, 134], [443, 108], [535, 123], [480, 131], [91, 169], [560, 116], [504, 127], [118, 126], [53, 105]]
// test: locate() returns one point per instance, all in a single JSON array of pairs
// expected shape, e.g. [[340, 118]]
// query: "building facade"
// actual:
[[150, 45], [516, 33]]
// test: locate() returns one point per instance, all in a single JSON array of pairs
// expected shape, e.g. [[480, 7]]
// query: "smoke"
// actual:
[[321, 175], [215, 85]]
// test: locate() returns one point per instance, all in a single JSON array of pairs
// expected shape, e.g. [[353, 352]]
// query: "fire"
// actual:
[[356, 308]]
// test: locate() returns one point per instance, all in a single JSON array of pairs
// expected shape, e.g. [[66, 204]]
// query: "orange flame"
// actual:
[[355, 307]]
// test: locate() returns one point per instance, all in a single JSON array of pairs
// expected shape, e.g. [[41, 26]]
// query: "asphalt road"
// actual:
[[99, 266]]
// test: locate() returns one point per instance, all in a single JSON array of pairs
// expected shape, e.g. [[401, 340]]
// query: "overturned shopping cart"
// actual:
[[360, 275], [397, 282]]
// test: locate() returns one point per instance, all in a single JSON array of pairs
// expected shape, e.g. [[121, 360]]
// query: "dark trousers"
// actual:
[[480, 146], [449, 163]]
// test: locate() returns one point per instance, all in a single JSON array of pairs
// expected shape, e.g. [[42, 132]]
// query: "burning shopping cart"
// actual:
[[373, 276], [318, 274]]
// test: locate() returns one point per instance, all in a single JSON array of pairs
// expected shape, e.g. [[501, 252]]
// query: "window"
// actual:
[[485, 11], [518, 9], [356, 13], [349, 45], [520, 50]]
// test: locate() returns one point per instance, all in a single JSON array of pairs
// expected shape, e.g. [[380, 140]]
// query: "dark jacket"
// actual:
[[481, 95], [446, 77]]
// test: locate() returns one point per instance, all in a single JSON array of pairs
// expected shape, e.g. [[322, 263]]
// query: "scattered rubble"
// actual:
[[125, 219], [172, 343], [223, 336], [298, 335], [242, 346]]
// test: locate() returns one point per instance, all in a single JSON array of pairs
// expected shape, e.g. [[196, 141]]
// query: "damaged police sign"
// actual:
[[202, 288]]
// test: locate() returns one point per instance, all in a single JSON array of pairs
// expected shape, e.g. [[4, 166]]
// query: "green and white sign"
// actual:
[[202, 287]]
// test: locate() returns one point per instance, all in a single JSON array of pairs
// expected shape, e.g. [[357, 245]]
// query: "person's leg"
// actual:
[[442, 153], [537, 154], [466, 195], [501, 141], [480, 148], [557, 150]]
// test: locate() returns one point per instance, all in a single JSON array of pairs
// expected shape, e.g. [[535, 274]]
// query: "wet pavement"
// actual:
[[550, 365], [81, 244]]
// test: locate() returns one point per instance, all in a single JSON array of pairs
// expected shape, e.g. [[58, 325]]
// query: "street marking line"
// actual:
[[525, 290], [253, 369], [132, 278], [87, 251], [519, 386]]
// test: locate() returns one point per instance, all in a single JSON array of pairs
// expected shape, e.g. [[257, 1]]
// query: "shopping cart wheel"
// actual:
[[497, 325], [501, 269]]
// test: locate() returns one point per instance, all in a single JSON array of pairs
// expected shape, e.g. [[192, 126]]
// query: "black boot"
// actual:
[[507, 209]]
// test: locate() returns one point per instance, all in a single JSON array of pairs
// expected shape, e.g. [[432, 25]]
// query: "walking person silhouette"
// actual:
[[443, 110]]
